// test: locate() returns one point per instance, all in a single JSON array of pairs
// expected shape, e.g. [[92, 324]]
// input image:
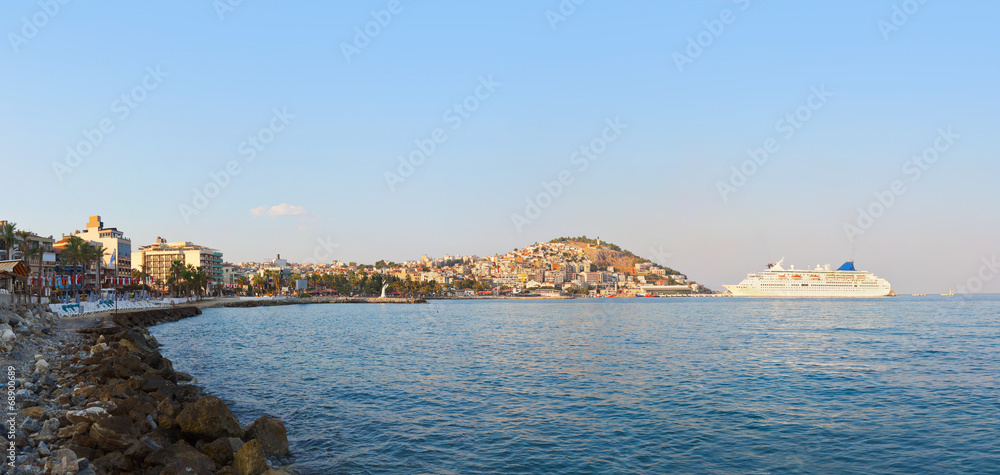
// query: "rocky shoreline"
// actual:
[[97, 397]]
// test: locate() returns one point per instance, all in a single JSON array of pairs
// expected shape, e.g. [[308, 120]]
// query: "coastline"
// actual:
[[93, 395]]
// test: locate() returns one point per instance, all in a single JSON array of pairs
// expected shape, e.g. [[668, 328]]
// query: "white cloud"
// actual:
[[284, 209]]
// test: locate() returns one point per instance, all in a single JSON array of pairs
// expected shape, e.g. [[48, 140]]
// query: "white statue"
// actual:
[[384, 286]]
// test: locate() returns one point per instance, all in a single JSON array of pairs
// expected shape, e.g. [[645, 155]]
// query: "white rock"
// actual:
[[98, 348], [106, 405], [38, 357], [8, 336], [90, 415], [41, 366]]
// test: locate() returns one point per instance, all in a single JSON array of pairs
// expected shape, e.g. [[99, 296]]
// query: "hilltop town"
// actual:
[[579, 266]]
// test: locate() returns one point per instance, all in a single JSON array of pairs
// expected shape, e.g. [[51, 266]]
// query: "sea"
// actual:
[[643, 385]]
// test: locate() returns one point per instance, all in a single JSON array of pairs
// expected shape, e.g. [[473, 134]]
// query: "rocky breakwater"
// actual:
[[19, 324], [113, 404]]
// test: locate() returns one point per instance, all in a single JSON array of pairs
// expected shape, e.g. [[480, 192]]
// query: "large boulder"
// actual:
[[271, 434], [209, 418], [182, 459], [222, 450], [113, 433], [113, 462], [250, 460]]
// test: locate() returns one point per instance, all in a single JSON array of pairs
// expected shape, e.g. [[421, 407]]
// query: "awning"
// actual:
[[14, 268]]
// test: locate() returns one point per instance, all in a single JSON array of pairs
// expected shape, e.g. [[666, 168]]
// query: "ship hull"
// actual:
[[738, 291]]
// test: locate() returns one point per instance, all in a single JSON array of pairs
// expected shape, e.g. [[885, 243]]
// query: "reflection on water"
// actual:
[[613, 385]]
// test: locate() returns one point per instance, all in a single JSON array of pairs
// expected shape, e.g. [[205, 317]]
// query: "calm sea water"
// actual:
[[707, 385]]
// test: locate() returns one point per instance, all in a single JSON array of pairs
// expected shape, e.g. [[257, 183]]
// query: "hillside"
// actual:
[[604, 254]]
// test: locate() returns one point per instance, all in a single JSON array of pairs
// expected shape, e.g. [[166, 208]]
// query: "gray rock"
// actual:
[[49, 430], [30, 426]]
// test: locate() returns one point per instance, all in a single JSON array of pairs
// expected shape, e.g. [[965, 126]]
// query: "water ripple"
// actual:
[[900, 385]]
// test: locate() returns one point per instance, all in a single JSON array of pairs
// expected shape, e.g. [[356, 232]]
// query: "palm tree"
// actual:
[[259, 282], [137, 277], [73, 256], [96, 255], [27, 253], [24, 245], [175, 276], [8, 238], [200, 281], [242, 281]]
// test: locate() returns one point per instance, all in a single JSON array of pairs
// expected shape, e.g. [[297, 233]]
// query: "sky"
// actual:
[[712, 137]]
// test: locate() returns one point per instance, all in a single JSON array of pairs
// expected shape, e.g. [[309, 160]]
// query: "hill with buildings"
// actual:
[[606, 255]]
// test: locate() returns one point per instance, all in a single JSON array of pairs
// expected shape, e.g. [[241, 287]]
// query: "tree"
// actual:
[[8, 237], [243, 282], [194, 279], [24, 244], [139, 276], [259, 282], [73, 256], [28, 253], [175, 277], [96, 255]]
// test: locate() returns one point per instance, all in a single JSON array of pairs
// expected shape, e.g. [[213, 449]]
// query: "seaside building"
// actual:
[[157, 258], [278, 267], [229, 274], [114, 241]]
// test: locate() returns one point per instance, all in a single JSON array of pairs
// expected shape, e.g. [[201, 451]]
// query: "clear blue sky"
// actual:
[[655, 186]]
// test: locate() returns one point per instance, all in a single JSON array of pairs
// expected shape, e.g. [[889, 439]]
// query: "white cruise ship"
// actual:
[[777, 281]]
